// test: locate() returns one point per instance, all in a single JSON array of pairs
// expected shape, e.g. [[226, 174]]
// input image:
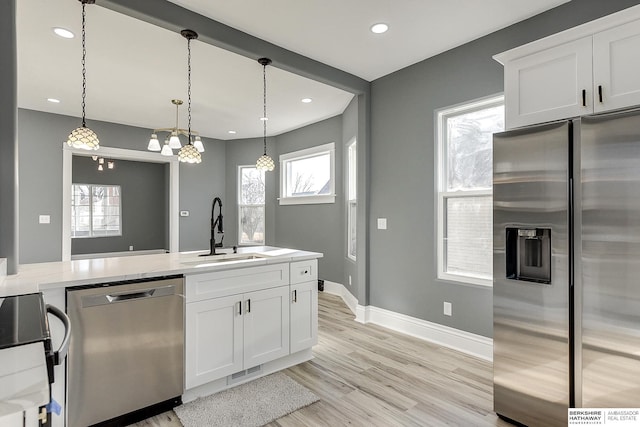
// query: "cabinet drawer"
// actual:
[[304, 271], [231, 282]]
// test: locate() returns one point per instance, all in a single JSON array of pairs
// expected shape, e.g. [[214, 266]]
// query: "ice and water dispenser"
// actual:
[[528, 254]]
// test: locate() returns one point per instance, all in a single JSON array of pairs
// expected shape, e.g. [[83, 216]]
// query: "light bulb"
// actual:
[[174, 141], [110, 164], [100, 168], [199, 145], [154, 144], [101, 160], [166, 150]]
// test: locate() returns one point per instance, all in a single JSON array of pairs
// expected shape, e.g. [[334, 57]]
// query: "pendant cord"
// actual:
[[84, 69], [264, 121], [189, 83]]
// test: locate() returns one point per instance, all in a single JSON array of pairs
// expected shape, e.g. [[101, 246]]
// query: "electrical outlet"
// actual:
[[447, 308], [382, 223], [131, 247], [44, 219]]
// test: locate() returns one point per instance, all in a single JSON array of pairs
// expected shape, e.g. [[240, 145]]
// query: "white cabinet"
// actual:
[[213, 339], [229, 334], [589, 69], [549, 85], [304, 315], [266, 326], [616, 67]]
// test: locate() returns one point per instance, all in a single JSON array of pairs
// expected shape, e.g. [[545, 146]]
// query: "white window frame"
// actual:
[[441, 179], [91, 230], [351, 192], [240, 205], [300, 155]]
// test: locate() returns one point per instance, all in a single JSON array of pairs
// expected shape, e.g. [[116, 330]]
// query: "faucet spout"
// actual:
[[216, 225]]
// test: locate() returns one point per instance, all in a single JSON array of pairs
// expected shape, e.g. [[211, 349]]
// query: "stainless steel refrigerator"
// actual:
[[566, 267]]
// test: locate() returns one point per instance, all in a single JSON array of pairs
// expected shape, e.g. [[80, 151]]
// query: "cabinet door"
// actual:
[[616, 67], [213, 339], [549, 85], [266, 325], [304, 316]]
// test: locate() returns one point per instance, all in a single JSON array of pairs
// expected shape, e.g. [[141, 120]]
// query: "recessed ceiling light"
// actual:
[[63, 32], [53, 100], [232, 132], [379, 28], [306, 100], [264, 119]]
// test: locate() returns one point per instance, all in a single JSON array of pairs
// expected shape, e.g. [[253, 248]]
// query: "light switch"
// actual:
[[44, 219], [382, 223]]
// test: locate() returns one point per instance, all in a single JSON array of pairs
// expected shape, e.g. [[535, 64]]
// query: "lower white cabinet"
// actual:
[[304, 315], [228, 334]]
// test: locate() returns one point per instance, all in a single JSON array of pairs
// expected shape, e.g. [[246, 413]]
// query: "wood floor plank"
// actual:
[[366, 375]]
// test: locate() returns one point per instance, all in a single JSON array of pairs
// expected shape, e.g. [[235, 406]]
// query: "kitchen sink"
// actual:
[[219, 259]]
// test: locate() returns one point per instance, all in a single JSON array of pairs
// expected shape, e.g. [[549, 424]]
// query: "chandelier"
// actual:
[[172, 140], [190, 152]]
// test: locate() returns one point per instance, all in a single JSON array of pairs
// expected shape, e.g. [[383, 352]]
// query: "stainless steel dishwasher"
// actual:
[[126, 356]]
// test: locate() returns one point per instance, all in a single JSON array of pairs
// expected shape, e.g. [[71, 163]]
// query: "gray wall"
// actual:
[[41, 137], [144, 215], [8, 137], [403, 261], [320, 227], [349, 133]]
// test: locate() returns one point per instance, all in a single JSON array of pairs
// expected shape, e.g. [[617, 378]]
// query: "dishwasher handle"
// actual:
[[112, 298], [132, 295], [61, 353]]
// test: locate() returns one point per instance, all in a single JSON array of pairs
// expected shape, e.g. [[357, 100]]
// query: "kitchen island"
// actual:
[[247, 314]]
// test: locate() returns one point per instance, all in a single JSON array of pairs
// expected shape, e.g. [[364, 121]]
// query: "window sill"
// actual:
[[307, 200]]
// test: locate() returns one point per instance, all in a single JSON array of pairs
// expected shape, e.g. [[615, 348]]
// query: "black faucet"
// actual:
[[217, 223]]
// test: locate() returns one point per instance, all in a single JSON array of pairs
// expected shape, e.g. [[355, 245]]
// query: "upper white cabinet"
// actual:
[[616, 67], [588, 69], [549, 85]]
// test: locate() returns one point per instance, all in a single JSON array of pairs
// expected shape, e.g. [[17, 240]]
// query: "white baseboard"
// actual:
[[466, 342]]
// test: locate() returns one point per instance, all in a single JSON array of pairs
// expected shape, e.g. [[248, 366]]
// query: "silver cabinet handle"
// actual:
[[249, 306], [295, 295], [240, 308]]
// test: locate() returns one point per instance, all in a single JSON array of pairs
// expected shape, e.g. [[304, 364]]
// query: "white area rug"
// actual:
[[253, 404]]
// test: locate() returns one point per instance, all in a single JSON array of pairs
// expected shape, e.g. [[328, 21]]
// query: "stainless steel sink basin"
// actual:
[[218, 259]]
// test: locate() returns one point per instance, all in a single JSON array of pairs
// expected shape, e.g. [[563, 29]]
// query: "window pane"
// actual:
[[95, 210], [252, 224], [352, 228], [309, 176], [252, 190], [469, 145], [468, 236]]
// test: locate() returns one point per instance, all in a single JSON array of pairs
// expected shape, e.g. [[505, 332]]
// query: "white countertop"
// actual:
[[51, 275]]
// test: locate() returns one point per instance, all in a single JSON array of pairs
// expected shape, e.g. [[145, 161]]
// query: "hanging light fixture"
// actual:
[[172, 141], [189, 153], [83, 137], [264, 162]]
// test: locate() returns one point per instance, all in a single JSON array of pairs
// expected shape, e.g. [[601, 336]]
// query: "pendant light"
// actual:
[[83, 137], [265, 162], [188, 153]]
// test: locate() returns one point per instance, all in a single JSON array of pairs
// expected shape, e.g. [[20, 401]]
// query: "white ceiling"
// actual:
[[134, 68]]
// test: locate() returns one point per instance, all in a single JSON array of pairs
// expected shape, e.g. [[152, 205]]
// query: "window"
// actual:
[[465, 201], [95, 210], [352, 201], [307, 176], [250, 206]]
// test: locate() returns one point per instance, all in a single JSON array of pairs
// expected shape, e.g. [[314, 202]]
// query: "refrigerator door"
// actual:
[[610, 259], [531, 270]]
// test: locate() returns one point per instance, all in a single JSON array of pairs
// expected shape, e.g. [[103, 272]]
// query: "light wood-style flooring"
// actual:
[[366, 375]]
